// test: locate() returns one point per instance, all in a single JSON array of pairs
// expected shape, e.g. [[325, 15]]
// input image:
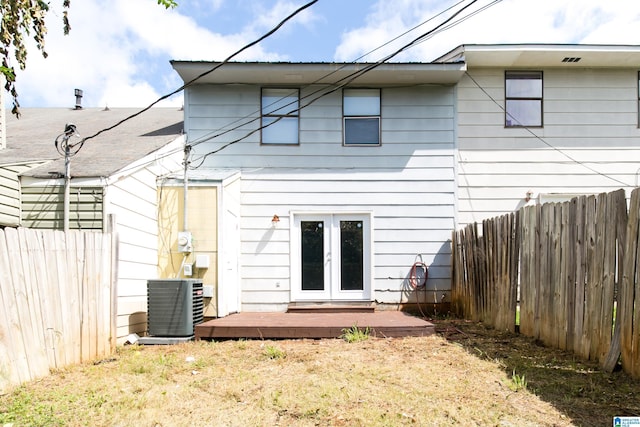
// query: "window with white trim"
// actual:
[[280, 118], [523, 99], [361, 110]]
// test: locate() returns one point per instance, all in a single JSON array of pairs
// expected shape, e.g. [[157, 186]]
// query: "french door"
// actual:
[[331, 257]]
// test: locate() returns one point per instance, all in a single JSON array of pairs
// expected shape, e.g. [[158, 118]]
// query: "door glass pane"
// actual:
[[351, 256], [312, 255]]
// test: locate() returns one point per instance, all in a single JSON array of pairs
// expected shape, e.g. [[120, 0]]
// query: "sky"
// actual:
[[118, 51]]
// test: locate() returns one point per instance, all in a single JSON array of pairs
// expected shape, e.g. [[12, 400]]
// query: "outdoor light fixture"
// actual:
[[275, 220], [528, 196]]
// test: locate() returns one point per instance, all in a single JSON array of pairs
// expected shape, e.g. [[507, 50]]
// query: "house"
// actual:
[[113, 175], [346, 176], [332, 187], [543, 123]]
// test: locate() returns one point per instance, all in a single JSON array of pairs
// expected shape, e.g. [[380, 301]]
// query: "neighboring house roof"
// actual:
[[544, 55], [32, 137], [296, 73]]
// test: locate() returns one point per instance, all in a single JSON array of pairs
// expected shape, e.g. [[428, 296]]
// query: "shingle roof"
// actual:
[[32, 137]]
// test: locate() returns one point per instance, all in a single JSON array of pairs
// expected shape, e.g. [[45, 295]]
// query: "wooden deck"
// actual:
[[312, 324]]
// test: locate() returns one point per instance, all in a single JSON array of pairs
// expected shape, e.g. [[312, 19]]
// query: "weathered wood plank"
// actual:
[[569, 251], [13, 360], [578, 318], [635, 314], [41, 291], [545, 283], [559, 279], [628, 284], [609, 272], [590, 239], [89, 304], [527, 295], [514, 263], [55, 330], [621, 220], [31, 316]]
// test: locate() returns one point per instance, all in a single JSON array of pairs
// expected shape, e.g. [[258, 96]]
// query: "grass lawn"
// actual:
[[463, 375]]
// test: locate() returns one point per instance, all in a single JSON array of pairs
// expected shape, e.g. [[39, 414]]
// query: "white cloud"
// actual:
[[118, 52], [510, 21], [115, 48]]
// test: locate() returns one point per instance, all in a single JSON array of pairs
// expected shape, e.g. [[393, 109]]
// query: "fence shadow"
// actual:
[[566, 273], [585, 394]]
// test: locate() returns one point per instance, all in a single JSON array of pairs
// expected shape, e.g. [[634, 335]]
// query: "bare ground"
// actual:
[[464, 375]]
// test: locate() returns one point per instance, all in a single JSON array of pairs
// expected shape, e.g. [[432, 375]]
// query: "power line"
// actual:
[[349, 78], [423, 37], [181, 88], [211, 135], [539, 138]]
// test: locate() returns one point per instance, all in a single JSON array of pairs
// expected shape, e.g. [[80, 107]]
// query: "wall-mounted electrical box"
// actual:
[[202, 261], [207, 291], [185, 241], [188, 270]]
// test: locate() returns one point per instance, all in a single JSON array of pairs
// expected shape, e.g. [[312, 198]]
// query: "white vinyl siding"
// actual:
[[133, 200], [590, 124], [43, 207], [10, 192], [407, 184]]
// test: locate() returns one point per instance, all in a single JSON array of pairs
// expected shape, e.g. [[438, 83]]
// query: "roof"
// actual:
[[297, 73], [544, 55], [32, 137]]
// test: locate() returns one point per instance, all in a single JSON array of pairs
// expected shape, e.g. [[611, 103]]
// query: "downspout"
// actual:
[[187, 151], [67, 188]]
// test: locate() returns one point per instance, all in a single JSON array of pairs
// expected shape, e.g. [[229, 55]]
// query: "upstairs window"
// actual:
[[280, 116], [361, 110], [523, 98]]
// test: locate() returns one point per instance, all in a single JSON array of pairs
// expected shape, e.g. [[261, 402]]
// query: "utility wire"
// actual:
[[211, 135], [423, 38], [539, 138], [190, 82], [345, 80], [222, 132]]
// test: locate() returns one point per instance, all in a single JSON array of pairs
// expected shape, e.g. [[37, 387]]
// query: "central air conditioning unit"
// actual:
[[174, 307]]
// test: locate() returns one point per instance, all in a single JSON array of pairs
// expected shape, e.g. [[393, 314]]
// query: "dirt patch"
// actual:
[[464, 375]]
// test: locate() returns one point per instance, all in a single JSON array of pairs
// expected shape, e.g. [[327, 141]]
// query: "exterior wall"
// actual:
[[589, 142], [202, 218], [43, 206], [133, 202], [10, 192], [407, 184], [132, 198]]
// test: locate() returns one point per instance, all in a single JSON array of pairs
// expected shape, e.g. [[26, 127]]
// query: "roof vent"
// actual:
[[78, 93], [571, 59]]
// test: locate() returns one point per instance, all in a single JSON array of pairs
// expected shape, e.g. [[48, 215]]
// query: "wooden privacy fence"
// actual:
[[56, 301], [573, 269]]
